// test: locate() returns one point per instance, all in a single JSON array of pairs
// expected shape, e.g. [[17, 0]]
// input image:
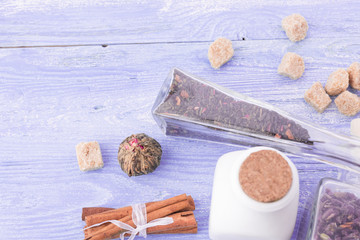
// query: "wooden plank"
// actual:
[[61, 77], [67, 22], [53, 98]]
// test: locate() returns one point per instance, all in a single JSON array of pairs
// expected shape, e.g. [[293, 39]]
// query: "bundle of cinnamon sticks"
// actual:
[[180, 208]]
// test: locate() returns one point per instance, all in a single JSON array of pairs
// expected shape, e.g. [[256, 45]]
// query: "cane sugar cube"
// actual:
[[292, 66], [295, 27], [317, 97], [348, 103], [337, 82], [220, 52], [89, 156], [355, 127], [354, 75]]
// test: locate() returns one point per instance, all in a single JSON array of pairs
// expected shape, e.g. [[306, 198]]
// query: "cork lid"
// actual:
[[265, 176]]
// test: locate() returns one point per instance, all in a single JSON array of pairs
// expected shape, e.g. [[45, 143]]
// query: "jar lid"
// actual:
[[257, 205]]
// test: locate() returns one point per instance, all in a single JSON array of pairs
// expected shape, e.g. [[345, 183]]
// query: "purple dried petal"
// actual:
[[338, 219], [330, 229], [339, 216], [356, 220], [350, 217], [340, 195], [348, 209], [351, 236], [336, 202], [328, 204], [346, 232], [323, 236], [328, 191], [329, 214], [349, 196]]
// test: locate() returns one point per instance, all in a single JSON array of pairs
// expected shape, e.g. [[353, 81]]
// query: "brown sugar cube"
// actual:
[[317, 97], [348, 103], [354, 75], [89, 156], [337, 82], [220, 52], [295, 27], [292, 66]]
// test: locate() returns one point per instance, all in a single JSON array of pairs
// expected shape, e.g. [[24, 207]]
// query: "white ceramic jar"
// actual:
[[236, 216]]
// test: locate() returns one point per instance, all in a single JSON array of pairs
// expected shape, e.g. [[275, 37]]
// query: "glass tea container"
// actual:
[[336, 212], [188, 106]]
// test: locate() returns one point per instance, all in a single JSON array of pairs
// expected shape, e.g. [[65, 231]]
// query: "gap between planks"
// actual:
[[115, 44], [142, 43]]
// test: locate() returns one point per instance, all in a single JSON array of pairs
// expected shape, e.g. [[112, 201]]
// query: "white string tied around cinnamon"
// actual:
[[139, 218]]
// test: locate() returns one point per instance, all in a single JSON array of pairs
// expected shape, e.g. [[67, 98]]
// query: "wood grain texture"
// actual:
[[53, 98], [67, 22]]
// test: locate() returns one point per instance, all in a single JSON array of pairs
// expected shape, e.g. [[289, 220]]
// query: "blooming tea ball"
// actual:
[[295, 27], [354, 75], [348, 103], [337, 82], [220, 52], [292, 66], [139, 154]]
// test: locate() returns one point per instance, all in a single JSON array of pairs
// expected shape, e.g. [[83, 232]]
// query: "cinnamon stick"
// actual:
[[179, 231], [108, 216], [183, 220], [127, 211], [87, 211], [111, 230], [154, 211], [191, 204], [125, 214]]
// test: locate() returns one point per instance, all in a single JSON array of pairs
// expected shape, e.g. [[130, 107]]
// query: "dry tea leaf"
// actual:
[[338, 216], [192, 100]]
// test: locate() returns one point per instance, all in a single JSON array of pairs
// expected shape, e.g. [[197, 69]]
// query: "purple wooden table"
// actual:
[[83, 70]]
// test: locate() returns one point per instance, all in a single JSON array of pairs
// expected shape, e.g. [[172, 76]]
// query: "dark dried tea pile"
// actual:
[[196, 101], [139, 154], [338, 216]]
